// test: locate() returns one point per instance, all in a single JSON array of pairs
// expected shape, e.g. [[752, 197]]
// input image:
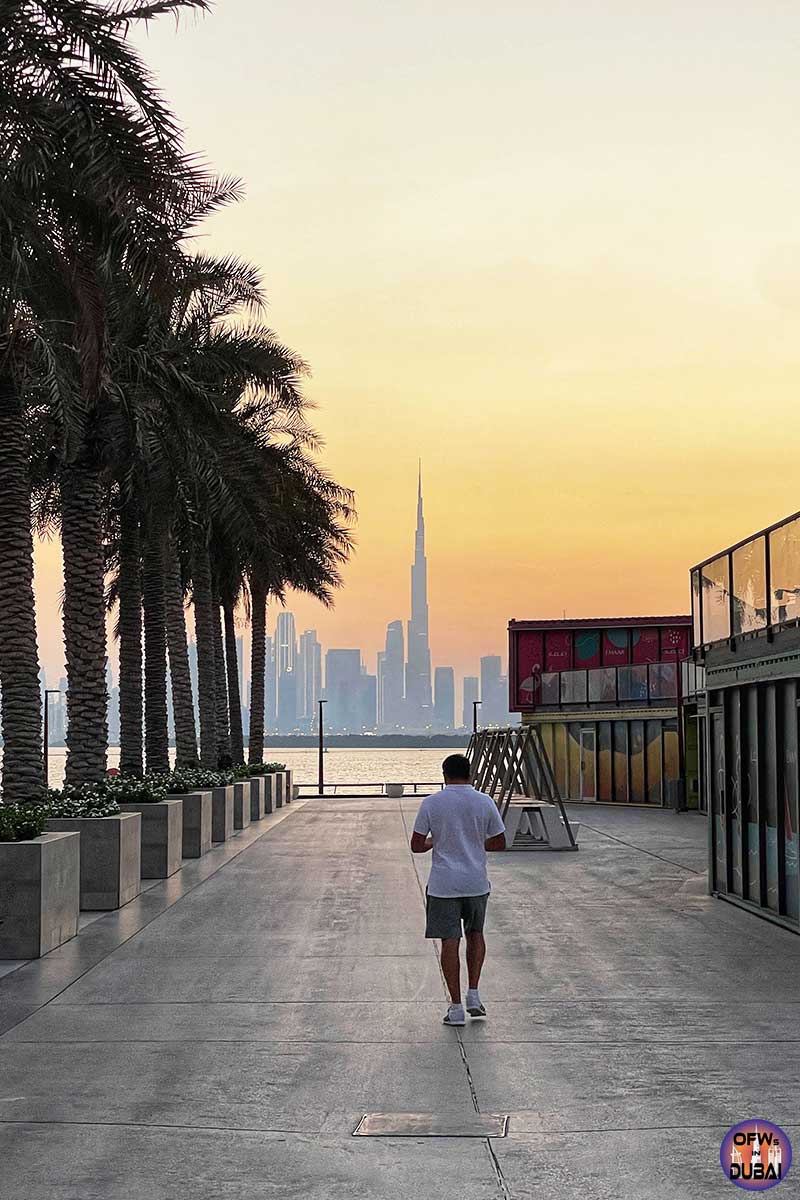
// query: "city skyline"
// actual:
[[403, 695]]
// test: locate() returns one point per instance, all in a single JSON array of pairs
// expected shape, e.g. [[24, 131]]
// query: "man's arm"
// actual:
[[421, 840], [498, 842]]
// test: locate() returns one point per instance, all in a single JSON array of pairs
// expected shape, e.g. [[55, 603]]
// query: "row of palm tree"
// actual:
[[147, 414]]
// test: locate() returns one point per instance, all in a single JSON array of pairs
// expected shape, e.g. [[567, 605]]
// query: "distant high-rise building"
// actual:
[[470, 696], [285, 642], [418, 664], [287, 702], [444, 697], [494, 701], [343, 691], [285, 662], [381, 660], [391, 702], [309, 678], [270, 686], [368, 702]]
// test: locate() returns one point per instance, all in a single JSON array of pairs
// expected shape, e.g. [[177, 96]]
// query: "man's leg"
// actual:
[[476, 953], [451, 967]]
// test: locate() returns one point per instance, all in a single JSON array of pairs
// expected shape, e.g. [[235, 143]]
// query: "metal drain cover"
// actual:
[[479, 1125]]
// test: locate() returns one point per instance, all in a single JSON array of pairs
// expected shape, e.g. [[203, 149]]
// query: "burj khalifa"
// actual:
[[418, 666]]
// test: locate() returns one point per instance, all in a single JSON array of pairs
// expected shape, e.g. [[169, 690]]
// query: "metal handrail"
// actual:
[[382, 783]]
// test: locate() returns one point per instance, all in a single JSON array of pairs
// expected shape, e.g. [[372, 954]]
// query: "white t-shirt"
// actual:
[[460, 820]]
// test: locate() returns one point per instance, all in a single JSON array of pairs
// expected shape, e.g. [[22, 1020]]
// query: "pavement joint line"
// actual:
[[496, 1167], [167, 908], [641, 850], [648, 1043], [520, 1135]]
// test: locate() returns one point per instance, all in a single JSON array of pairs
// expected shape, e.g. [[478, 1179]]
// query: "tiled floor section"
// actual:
[[223, 1036]]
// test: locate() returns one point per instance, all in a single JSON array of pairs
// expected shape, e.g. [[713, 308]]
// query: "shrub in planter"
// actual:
[[265, 768], [22, 822], [110, 843], [86, 801], [39, 875]]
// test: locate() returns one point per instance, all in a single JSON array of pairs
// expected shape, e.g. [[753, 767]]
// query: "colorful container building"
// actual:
[[605, 695], [746, 634]]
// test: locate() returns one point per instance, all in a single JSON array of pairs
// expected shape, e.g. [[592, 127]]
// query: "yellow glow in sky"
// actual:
[[554, 249]]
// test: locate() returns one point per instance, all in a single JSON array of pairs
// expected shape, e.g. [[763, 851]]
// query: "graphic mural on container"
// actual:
[[674, 643], [530, 662], [615, 647], [587, 648], [558, 650], [645, 645]]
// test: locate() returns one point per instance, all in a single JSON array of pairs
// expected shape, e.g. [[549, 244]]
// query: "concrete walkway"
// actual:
[[223, 1035]]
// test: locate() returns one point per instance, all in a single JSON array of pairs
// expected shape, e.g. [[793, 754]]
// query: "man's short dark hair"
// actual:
[[456, 766]]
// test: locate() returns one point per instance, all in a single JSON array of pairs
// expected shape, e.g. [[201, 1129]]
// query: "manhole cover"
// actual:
[[480, 1125]]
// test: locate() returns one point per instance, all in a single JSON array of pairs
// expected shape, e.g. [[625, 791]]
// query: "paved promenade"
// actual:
[[223, 1035]]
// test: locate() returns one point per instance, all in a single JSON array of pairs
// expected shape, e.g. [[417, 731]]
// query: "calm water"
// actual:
[[362, 765]]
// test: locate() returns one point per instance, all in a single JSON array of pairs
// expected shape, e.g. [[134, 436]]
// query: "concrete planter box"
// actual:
[[278, 788], [111, 857], [256, 797], [268, 793], [288, 787], [196, 824], [40, 883], [241, 804], [162, 835], [394, 790], [222, 813]]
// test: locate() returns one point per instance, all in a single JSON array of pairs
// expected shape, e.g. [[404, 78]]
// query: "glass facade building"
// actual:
[[746, 632], [604, 694]]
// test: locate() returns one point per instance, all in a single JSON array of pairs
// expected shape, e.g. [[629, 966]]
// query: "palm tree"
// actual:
[[180, 675], [129, 631], [81, 127], [19, 659], [234, 694]]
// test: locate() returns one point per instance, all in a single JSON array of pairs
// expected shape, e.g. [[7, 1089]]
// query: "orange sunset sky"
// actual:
[[552, 248]]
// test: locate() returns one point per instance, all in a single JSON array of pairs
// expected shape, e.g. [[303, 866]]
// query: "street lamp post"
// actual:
[[46, 756], [321, 750], [475, 704]]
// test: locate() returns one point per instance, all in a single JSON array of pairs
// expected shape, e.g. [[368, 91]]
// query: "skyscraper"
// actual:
[[342, 691], [418, 664], [391, 702], [444, 697], [309, 678], [470, 696], [494, 697], [285, 656], [270, 687]]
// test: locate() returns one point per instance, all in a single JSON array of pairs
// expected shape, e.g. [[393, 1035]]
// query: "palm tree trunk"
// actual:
[[156, 734], [131, 758], [204, 634], [258, 659], [84, 625], [19, 659], [234, 695], [224, 756], [180, 676]]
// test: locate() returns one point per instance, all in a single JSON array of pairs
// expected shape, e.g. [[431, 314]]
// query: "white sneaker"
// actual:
[[455, 1015], [474, 1006]]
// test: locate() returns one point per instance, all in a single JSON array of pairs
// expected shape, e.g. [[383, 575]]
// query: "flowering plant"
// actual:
[[21, 822]]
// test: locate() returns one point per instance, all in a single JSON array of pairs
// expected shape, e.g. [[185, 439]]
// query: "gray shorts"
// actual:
[[445, 914]]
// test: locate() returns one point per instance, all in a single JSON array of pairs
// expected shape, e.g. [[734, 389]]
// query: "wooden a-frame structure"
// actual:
[[512, 765]]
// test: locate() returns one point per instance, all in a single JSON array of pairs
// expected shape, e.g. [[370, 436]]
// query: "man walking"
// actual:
[[459, 824]]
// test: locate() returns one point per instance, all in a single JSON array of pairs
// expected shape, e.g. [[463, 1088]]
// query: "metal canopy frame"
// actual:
[[514, 761]]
